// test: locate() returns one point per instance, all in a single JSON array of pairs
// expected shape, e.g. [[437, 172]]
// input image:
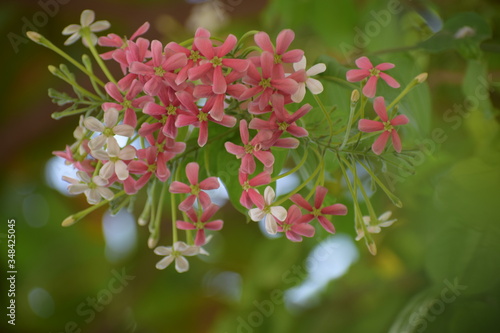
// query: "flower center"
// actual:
[[267, 209], [171, 110], [374, 72], [159, 71], [277, 58], [126, 104], [265, 83], [283, 126], [195, 189], [216, 61], [108, 132], [316, 212], [160, 147], [195, 56], [388, 126], [202, 116], [249, 149], [151, 168], [286, 226], [199, 225], [246, 186]]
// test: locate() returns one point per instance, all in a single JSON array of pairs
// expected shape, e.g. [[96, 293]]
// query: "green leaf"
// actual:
[[59, 98], [463, 32], [476, 87]]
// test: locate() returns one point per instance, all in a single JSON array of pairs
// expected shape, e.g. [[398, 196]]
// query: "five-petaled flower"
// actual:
[[375, 227], [115, 157], [314, 86], [386, 125], [108, 129], [270, 212], [317, 211], [177, 253], [367, 70], [294, 226], [94, 188], [200, 222], [87, 25]]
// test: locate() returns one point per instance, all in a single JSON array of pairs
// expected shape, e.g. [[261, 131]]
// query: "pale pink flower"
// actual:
[[269, 212], [135, 52], [94, 188], [176, 253], [199, 117], [128, 102], [250, 149], [314, 86], [115, 157], [212, 66], [317, 211], [250, 195], [200, 223], [108, 129], [294, 227], [375, 227], [373, 73], [195, 189], [86, 22], [266, 83], [386, 125], [160, 70]]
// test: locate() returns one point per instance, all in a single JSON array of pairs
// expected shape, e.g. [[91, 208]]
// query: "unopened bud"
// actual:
[[421, 77], [372, 247], [53, 69], [152, 241], [70, 220], [34, 36], [142, 222], [355, 96]]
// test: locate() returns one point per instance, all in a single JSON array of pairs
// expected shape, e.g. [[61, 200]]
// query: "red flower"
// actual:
[[294, 225], [368, 70], [200, 223]]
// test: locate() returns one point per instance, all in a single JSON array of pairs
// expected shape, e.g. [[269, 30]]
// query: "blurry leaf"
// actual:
[[475, 316], [60, 98], [280, 157], [476, 87], [463, 32]]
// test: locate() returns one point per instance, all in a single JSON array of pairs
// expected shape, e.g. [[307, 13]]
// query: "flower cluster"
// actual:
[[173, 101]]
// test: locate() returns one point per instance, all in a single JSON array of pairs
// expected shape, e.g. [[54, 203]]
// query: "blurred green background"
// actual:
[[438, 266]]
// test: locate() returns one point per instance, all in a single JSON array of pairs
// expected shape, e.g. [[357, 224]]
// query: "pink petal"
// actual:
[[203, 136], [209, 212], [185, 225], [379, 144], [210, 183], [321, 192], [396, 141], [192, 170], [267, 62], [292, 56], [227, 46], [355, 75], [239, 65], [205, 46], [178, 187], [262, 178], [390, 80], [248, 164], [214, 225], [196, 72], [299, 200], [260, 124], [185, 120], [370, 88], [245, 200], [304, 229], [187, 203], [176, 61], [154, 109], [400, 120], [113, 91], [283, 41], [204, 199], [325, 223], [256, 198], [156, 52], [384, 66], [244, 132], [337, 209], [380, 109], [220, 85], [366, 125], [288, 86], [200, 239], [263, 41], [140, 31], [299, 113], [266, 157], [290, 143], [364, 63], [293, 236], [297, 131], [234, 149]]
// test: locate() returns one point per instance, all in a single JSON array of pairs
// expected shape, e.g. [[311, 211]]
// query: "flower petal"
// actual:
[[279, 212], [165, 262], [380, 109], [366, 125], [370, 89], [364, 63], [356, 75], [379, 144], [396, 141], [256, 214], [271, 225], [389, 80]]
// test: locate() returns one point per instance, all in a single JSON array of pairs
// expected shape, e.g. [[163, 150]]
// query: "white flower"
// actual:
[[313, 85], [115, 157], [177, 253], [382, 221], [94, 188], [86, 19], [108, 130], [79, 134], [269, 212]]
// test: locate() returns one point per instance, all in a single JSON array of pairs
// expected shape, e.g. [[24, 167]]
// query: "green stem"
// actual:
[[327, 116], [289, 172], [78, 216], [395, 200], [104, 68], [343, 82]]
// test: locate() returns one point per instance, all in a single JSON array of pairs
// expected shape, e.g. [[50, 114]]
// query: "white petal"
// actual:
[[71, 29], [113, 148], [298, 96], [385, 216], [180, 246], [70, 180], [110, 117], [314, 86], [73, 38], [107, 170], [79, 132], [366, 220], [100, 154], [256, 214], [121, 170], [387, 223], [279, 212], [97, 142], [100, 26], [83, 176], [191, 251], [316, 69], [181, 264], [269, 195], [93, 124], [360, 235], [163, 250], [300, 65], [105, 192], [373, 229], [93, 39], [162, 264], [125, 130], [271, 225], [93, 197], [87, 17], [127, 153], [77, 188], [99, 181]]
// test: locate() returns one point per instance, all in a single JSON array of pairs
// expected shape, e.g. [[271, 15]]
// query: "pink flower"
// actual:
[[115, 157], [166, 114], [250, 149], [318, 211], [199, 117], [135, 52], [367, 70], [280, 53], [200, 223], [251, 196], [294, 227], [150, 162], [281, 120], [120, 44], [386, 125], [160, 70], [215, 61], [195, 189], [127, 103], [266, 83]]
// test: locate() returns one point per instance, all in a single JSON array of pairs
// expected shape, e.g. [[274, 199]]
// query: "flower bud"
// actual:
[[355, 96], [421, 77], [70, 220], [34, 36]]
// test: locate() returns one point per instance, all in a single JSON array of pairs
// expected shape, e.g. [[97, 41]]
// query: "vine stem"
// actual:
[[289, 172], [86, 33]]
